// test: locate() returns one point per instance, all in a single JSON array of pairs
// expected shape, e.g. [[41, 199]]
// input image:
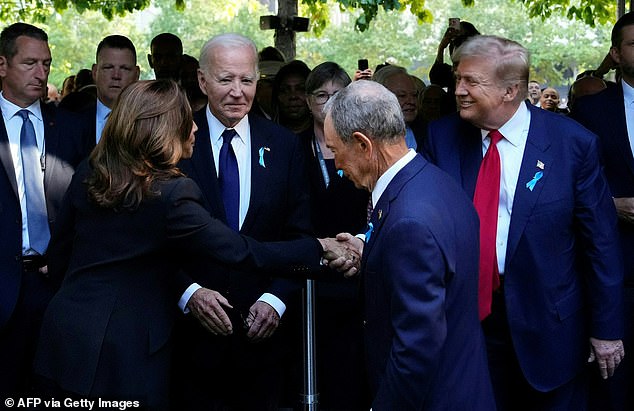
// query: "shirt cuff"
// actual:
[[274, 302], [361, 237], [182, 303]]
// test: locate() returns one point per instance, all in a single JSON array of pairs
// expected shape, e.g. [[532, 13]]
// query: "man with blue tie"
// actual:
[[550, 264], [610, 114], [115, 67], [251, 172], [419, 270], [39, 149]]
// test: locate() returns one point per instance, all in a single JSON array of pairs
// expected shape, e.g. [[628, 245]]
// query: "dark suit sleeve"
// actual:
[[415, 274], [193, 231], [597, 223]]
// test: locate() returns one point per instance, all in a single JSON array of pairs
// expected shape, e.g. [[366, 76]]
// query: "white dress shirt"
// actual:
[[13, 125], [628, 97], [389, 174], [511, 149], [241, 144], [100, 121]]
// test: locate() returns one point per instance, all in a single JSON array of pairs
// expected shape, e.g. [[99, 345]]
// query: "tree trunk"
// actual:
[[285, 36]]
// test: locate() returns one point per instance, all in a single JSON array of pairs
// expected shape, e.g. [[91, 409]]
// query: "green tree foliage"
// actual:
[[202, 19], [560, 48], [73, 39], [588, 11]]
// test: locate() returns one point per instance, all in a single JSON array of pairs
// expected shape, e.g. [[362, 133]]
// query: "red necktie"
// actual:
[[486, 201]]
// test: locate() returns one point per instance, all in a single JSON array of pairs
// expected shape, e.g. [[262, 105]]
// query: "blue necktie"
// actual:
[[229, 179], [39, 233]]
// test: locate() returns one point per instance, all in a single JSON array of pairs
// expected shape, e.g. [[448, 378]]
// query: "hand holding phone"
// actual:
[[454, 23]]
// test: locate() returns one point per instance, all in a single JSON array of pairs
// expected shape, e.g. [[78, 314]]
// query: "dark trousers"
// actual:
[[18, 339], [216, 373], [512, 390]]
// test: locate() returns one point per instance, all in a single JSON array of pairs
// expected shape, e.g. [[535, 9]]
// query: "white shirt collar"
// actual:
[[102, 110], [9, 109], [511, 129], [389, 174], [628, 93], [216, 128]]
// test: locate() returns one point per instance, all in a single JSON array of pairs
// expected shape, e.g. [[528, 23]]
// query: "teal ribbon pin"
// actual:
[[261, 152], [340, 173], [531, 184], [368, 233]]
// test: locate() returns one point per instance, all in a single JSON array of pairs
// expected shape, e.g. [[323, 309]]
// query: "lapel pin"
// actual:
[[261, 152], [540, 165], [380, 212], [531, 184], [340, 173]]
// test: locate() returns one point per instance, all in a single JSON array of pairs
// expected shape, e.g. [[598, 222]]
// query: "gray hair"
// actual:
[[367, 107], [511, 58], [226, 40], [381, 75]]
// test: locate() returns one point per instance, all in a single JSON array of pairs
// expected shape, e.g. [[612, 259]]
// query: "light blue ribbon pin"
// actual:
[[261, 152], [368, 233], [531, 184], [340, 173]]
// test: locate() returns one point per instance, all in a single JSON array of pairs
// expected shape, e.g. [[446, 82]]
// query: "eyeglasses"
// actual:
[[322, 97]]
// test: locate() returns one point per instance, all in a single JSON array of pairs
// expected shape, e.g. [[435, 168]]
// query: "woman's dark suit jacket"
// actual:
[[106, 332]]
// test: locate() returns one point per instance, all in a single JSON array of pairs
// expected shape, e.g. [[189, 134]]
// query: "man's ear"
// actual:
[[615, 54], [511, 92], [202, 81], [3, 66], [362, 144], [149, 60]]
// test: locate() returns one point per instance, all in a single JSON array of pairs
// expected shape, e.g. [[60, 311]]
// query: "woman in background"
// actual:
[[336, 206]]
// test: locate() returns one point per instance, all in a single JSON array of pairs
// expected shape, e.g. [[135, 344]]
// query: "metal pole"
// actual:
[[310, 397]]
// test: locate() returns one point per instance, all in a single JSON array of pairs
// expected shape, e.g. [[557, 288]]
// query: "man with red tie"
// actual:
[[550, 262]]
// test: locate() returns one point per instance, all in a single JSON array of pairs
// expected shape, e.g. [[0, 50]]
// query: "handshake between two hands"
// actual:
[[342, 253]]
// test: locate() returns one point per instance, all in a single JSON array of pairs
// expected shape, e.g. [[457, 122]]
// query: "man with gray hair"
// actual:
[[425, 348], [550, 264], [398, 81], [251, 172]]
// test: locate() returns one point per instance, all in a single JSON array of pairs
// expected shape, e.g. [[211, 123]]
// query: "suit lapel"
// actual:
[[536, 150], [6, 159], [619, 125], [51, 142], [260, 176], [470, 156], [382, 209], [204, 166]]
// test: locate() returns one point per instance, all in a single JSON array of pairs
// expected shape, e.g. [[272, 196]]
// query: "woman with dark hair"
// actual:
[[288, 97], [129, 222], [336, 206]]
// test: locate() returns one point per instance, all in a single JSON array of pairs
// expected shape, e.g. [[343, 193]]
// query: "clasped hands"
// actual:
[[342, 253], [210, 309]]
